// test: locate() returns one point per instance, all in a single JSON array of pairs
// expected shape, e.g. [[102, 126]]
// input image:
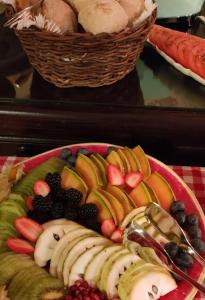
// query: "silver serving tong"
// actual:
[[136, 233], [170, 229]]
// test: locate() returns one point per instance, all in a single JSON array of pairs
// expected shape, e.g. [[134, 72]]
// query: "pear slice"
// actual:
[[66, 239], [62, 221], [47, 241], [78, 269], [68, 248], [107, 266], [78, 249], [93, 269], [128, 219], [113, 270]]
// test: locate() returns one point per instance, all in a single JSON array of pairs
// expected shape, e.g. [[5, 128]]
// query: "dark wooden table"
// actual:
[[155, 106]]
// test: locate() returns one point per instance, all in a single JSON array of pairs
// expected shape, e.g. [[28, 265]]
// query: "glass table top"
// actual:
[[153, 82]]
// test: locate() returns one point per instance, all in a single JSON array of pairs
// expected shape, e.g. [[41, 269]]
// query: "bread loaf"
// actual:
[[133, 8], [100, 16], [61, 14]]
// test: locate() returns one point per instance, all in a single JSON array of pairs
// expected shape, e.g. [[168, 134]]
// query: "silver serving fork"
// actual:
[[25, 13], [136, 233], [170, 229]]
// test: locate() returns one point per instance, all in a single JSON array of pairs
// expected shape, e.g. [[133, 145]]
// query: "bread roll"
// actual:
[[21, 4], [103, 16], [61, 14], [133, 8], [78, 5]]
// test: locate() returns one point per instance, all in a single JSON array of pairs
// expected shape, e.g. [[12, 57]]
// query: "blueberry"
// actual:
[[110, 149], [172, 249], [180, 217], [184, 260], [192, 219], [82, 151], [194, 232], [199, 245], [72, 160], [177, 206], [65, 153]]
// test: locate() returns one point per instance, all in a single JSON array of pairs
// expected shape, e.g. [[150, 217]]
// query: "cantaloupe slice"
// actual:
[[121, 196], [98, 163], [143, 160], [125, 161], [133, 160], [162, 189], [114, 159], [140, 195]]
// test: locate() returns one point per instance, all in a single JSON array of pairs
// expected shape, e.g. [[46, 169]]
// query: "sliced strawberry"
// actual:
[[132, 179], [41, 188], [29, 202], [115, 176], [108, 227], [19, 246], [117, 236], [28, 228]]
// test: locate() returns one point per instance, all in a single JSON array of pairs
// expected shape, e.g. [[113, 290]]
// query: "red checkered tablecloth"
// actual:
[[194, 177]]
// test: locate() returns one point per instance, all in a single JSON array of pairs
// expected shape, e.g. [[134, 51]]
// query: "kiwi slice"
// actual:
[[35, 283], [10, 264], [25, 186]]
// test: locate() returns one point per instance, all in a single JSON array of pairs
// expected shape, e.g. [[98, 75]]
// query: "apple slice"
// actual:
[[68, 248], [47, 241], [93, 269], [78, 269], [66, 239], [128, 219], [162, 189], [113, 269], [79, 249], [62, 221]]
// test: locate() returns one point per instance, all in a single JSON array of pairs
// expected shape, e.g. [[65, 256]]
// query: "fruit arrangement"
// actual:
[[185, 51], [62, 227]]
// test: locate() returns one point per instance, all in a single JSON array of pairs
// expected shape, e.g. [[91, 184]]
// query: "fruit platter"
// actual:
[[63, 215]]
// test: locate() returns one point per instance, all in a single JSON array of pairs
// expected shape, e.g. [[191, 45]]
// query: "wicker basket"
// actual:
[[82, 59]]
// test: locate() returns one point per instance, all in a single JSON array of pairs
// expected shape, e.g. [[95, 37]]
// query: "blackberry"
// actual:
[[53, 180], [71, 214], [65, 153], [73, 197], [87, 211], [57, 211], [93, 224], [42, 203], [39, 216], [59, 195]]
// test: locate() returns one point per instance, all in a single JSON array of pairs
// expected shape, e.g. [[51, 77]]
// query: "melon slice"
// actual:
[[125, 161], [133, 160], [114, 159], [128, 219], [78, 269], [101, 168], [140, 195], [121, 196], [93, 269], [162, 189], [66, 239], [79, 249], [143, 160]]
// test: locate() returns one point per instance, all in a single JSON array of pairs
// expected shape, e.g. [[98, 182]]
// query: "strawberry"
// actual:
[[117, 236], [29, 202], [28, 228], [132, 179], [115, 176], [41, 188], [19, 246], [108, 227]]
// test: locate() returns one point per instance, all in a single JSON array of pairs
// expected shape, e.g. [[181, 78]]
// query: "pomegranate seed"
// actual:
[[68, 297], [85, 284], [94, 296], [78, 282], [86, 297]]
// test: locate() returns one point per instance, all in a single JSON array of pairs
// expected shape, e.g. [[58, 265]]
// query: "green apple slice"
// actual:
[[47, 242], [113, 270], [78, 249], [93, 269], [78, 269], [67, 249], [66, 239]]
